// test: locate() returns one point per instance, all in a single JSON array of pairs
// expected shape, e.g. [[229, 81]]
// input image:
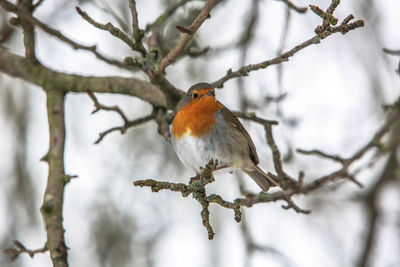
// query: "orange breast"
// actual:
[[196, 117]]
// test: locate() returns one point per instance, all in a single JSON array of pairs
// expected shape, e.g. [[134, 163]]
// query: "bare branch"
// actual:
[[321, 33], [123, 128], [391, 52], [186, 37], [37, 4], [100, 106], [292, 205], [333, 6], [251, 116], [166, 14], [127, 122], [29, 18], [29, 31], [321, 154], [52, 206], [114, 31], [137, 32], [196, 187], [38, 74], [20, 248]]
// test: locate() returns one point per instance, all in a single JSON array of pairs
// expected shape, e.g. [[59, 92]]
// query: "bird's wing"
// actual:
[[232, 120]]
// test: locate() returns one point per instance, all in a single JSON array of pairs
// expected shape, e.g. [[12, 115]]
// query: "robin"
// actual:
[[204, 129]]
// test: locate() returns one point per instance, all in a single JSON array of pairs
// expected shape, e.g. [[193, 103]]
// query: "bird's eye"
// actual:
[[195, 95]]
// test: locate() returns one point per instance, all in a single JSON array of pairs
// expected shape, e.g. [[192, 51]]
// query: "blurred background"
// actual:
[[328, 97]]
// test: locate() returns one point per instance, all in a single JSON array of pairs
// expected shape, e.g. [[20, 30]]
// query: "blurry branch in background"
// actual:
[[294, 7], [166, 14], [393, 53], [20, 193], [321, 33], [245, 41], [370, 200], [127, 123], [388, 178]]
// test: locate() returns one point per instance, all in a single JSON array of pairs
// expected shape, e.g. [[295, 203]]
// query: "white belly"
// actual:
[[197, 152]]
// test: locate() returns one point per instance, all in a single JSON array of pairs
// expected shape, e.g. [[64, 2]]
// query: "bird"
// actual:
[[203, 129]]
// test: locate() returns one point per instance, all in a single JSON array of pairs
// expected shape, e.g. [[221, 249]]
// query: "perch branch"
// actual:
[[286, 195], [196, 187]]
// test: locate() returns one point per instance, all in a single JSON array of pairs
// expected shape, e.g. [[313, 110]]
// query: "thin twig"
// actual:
[[114, 31], [29, 31], [166, 14], [294, 7], [99, 106], [321, 154], [124, 127], [137, 32], [391, 52], [127, 123], [20, 248], [251, 116], [186, 37], [37, 4]]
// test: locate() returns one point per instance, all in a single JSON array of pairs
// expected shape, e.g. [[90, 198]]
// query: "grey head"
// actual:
[[189, 94]]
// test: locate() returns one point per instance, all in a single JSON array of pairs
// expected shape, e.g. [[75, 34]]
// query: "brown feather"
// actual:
[[232, 120]]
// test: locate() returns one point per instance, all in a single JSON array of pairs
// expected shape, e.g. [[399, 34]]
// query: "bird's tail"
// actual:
[[261, 178]]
